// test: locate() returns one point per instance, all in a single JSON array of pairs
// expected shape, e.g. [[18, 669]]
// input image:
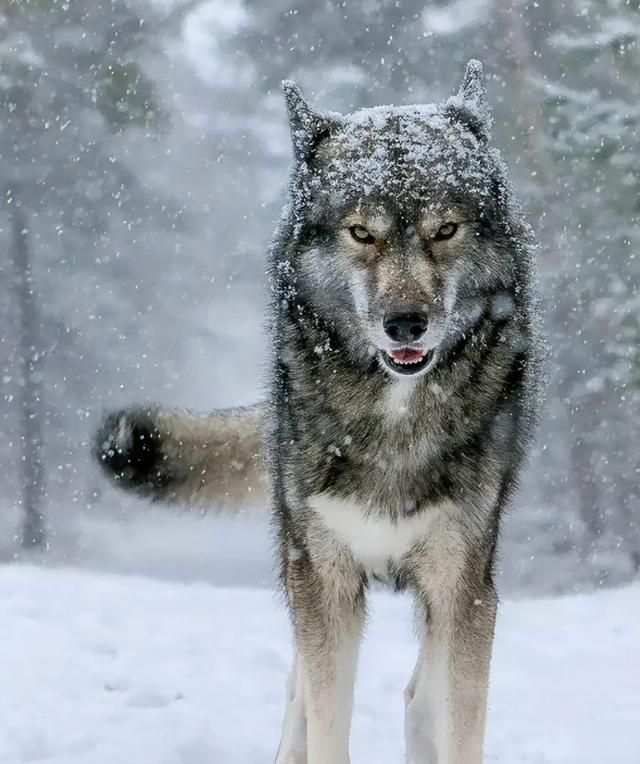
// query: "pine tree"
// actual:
[[593, 112]]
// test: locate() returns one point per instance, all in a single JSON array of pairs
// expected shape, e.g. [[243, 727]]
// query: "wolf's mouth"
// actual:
[[407, 360]]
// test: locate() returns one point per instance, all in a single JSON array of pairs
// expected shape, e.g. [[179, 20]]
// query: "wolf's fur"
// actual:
[[178, 457], [376, 473]]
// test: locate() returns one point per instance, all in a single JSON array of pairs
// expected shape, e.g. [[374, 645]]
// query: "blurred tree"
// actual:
[[72, 84], [32, 404], [592, 109]]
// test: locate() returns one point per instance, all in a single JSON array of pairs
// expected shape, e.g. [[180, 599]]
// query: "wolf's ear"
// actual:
[[470, 105], [308, 126], [473, 90]]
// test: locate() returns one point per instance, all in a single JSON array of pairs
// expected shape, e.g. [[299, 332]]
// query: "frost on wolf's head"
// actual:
[[431, 155]]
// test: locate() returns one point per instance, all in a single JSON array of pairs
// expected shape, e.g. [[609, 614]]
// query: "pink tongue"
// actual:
[[407, 354]]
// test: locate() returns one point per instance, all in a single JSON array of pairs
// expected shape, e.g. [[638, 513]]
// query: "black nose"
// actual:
[[405, 327]]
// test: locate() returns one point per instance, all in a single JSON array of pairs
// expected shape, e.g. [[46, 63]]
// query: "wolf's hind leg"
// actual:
[[419, 722], [186, 459], [326, 599], [293, 744]]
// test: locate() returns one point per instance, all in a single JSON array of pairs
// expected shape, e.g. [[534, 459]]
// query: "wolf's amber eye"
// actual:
[[446, 231], [361, 235]]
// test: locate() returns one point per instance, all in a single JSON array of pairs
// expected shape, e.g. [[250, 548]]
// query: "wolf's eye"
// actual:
[[446, 231], [361, 235]]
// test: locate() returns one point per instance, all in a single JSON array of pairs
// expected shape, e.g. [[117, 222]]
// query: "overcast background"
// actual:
[[143, 152]]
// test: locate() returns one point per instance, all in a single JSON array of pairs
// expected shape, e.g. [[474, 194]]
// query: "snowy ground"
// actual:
[[102, 669]]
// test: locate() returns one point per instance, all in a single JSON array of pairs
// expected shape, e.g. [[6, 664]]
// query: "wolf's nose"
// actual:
[[405, 327]]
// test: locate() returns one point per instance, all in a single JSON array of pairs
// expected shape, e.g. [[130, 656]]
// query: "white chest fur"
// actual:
[[374, 540]]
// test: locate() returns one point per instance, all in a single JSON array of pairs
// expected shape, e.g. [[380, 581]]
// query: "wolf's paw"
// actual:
[[128, 447]]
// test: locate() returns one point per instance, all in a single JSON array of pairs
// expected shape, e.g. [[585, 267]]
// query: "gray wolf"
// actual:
[[403, 392]]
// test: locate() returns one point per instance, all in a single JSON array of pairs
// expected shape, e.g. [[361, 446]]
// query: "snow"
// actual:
[[455, 17], [204, 32], [421, 153], [428, 153], [100, 668]]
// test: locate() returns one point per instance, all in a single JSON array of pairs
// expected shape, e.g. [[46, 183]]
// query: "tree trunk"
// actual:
[[30, 380], [585, 418]]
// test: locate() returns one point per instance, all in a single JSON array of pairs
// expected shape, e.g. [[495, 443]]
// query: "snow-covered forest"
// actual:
[[143, 153]]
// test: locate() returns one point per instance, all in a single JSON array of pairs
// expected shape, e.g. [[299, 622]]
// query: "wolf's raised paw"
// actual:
[[127, 446]]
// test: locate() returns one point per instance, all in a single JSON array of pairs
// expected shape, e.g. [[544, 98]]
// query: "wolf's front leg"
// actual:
[[446, 699], [327, 611]]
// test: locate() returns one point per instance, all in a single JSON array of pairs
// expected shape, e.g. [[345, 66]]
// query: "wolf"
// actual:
[[403, 392]]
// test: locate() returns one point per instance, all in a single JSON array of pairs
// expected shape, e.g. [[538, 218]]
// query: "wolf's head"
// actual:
[[402, 228]]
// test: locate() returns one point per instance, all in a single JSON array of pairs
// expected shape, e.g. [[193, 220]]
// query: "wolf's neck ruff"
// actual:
[[346, 433]]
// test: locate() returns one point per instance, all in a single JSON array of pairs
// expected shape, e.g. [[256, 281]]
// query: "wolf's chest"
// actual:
[[374, 539]]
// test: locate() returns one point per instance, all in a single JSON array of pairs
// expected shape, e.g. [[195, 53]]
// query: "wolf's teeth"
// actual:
[[420, 361]]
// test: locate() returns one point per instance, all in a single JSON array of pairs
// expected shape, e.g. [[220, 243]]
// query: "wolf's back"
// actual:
[[212, 460]]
